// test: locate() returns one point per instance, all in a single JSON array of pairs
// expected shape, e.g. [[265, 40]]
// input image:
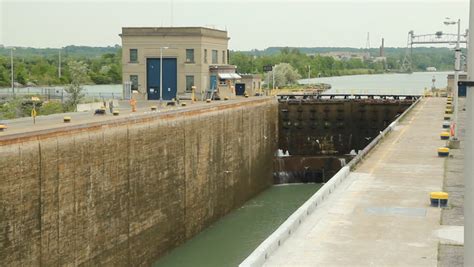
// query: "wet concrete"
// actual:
[[321, 133]]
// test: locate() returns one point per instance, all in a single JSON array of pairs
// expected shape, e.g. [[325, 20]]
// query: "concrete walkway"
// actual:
[[381, 215], [55, 121]]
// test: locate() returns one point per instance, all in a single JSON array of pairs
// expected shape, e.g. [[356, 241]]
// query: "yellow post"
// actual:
[[33, 111], [133, 103], [33, 114], [193, 90]]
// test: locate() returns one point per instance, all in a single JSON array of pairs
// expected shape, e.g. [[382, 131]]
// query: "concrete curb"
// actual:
[[285, 230]]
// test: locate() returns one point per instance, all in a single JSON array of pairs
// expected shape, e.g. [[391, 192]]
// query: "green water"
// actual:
[[230, 240]]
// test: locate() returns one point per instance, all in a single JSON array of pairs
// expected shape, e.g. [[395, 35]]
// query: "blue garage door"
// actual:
[[170, 79]]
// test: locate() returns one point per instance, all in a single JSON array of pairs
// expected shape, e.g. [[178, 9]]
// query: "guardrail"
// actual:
[[285, 230], [56, 93]]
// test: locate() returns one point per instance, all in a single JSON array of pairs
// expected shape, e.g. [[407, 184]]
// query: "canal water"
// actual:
[[231, 239], [393, 83]]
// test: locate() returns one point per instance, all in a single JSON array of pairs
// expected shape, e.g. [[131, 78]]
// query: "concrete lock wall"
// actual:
[[124, 194]]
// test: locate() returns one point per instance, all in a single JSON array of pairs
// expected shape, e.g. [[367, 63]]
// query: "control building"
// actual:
[[192, 56]]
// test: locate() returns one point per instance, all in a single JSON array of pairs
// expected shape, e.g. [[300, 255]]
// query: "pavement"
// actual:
[[53, 122], [381, 215], [451, 247]]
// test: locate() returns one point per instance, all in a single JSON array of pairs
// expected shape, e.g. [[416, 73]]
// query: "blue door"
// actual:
[[170, 79], [239, 88], [462, 91], [213, 82]]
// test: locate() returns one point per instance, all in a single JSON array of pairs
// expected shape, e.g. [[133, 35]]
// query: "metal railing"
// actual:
[[55, 93]]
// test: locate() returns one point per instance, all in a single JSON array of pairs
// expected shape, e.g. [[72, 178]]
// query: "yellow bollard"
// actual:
[[444, 135], [133, 104], [443, 152], [439, 199]]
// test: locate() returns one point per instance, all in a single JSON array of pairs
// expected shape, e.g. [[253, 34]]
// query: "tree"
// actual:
[[78, 73], [285, 74]]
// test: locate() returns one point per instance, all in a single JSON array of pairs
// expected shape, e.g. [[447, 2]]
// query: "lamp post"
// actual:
[[11, 64], [469, 152], [161, 72], [273, 77], [457, 68], [59, 63]]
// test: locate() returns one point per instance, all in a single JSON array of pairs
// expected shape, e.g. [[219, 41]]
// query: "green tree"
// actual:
[[285, 74], [51, 107], [78, 73]]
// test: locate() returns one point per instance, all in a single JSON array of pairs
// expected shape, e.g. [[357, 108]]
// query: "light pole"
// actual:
[[457, 68], [59, 64], [11, 63], [161, 72], [469, 151], [273, 74]]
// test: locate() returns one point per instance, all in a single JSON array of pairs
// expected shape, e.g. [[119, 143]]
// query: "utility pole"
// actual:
[[273, 79], [171, 13], [457, 68], [469, 152], [161, 72], [11, 64], [59, 64]]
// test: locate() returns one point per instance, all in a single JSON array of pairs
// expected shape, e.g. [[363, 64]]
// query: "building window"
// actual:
[[134, 81], [189, 83], [133, 55], [214, 56], [205, 55], [223, 57], [189, 55]]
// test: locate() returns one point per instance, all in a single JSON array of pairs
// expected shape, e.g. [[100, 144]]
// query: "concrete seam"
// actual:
[[57, 205], [128, 196], [40, 176]]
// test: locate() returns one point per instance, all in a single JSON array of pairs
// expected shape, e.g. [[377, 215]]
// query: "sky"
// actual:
[[251, 24]]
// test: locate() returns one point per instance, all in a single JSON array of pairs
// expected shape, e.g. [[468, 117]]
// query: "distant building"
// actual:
[[345, 56], [380, 59], [462, 89], [248, 83], [192, 56]]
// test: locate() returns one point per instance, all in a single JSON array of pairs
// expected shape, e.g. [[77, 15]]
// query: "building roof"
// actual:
[[173, 31]]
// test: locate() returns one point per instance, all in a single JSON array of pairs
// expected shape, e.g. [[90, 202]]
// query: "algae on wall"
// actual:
[[126, 194]]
